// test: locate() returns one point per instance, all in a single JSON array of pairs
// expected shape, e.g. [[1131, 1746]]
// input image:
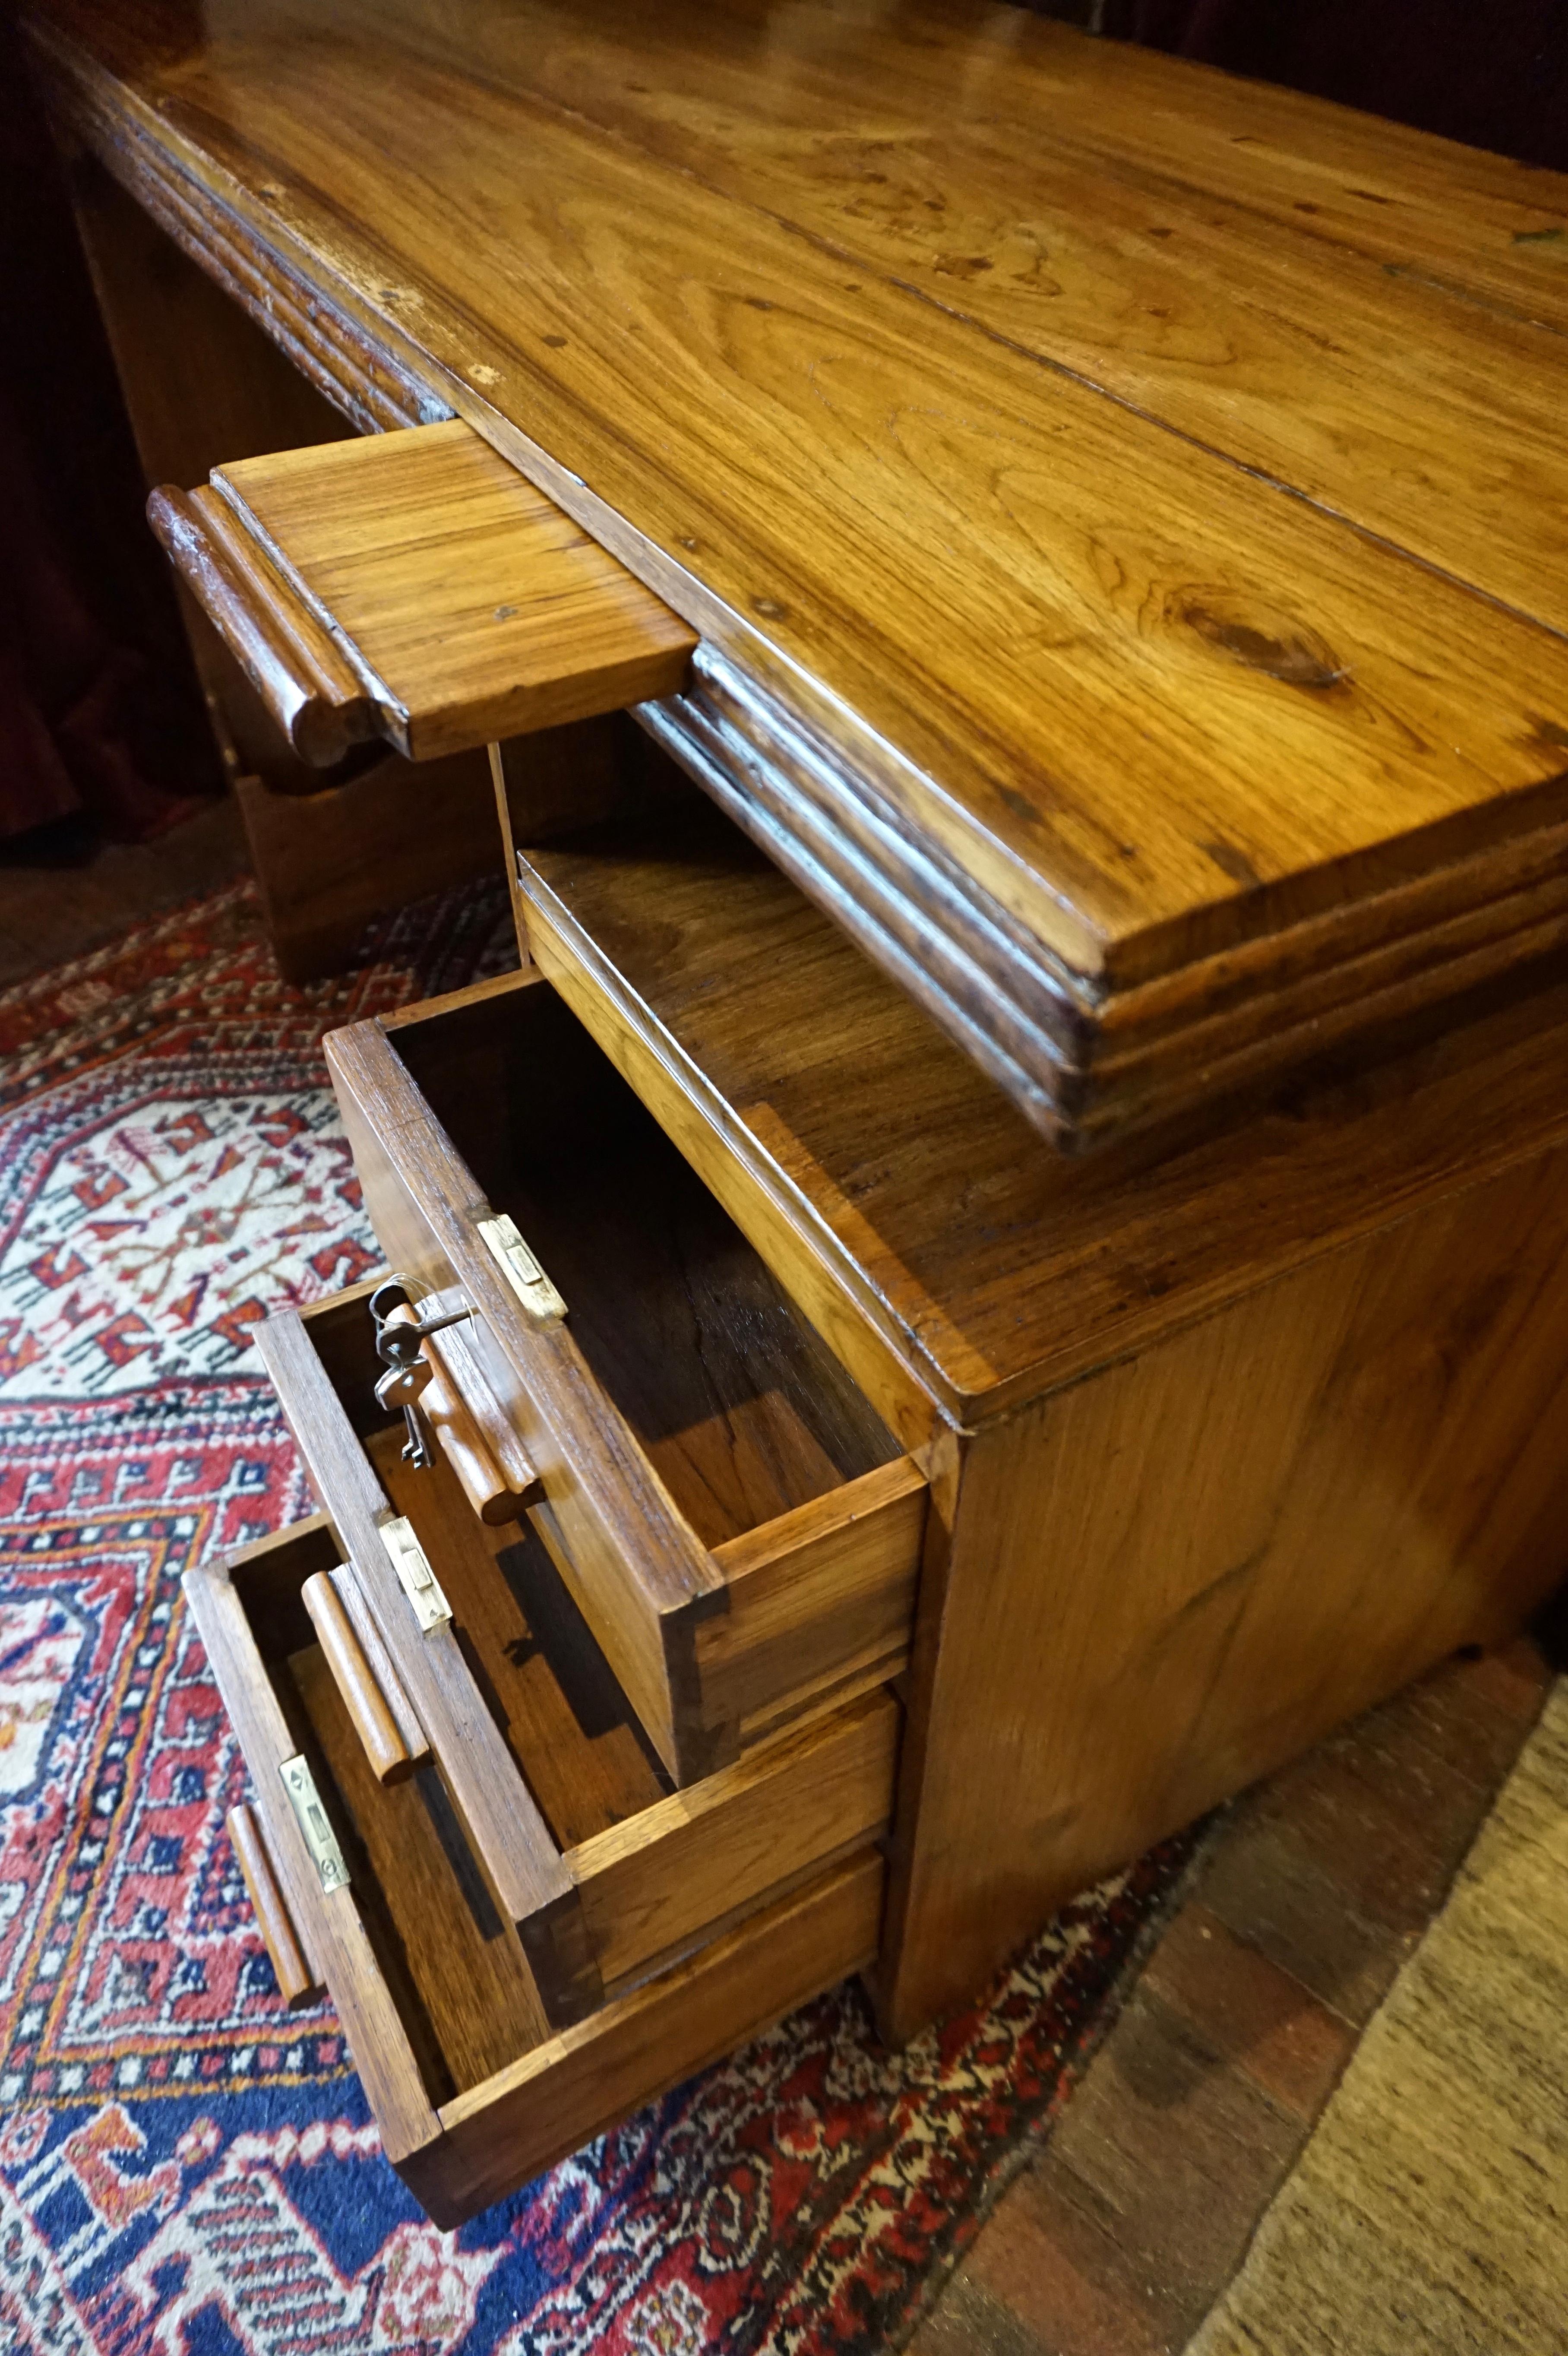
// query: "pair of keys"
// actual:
[[397, 1346]]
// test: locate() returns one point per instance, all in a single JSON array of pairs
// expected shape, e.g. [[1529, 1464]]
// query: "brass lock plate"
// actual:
[[418, 1580], [521, 1269], [312, 1820]]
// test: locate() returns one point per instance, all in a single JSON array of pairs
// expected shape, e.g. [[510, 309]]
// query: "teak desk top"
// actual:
[[1122, 507]]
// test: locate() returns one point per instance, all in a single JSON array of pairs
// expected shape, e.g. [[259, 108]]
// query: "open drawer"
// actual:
[[415, 587], [710, 1912], [730, 1513], [455, 1643]]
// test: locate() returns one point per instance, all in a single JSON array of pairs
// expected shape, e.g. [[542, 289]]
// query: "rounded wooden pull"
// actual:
[[498, 1491], [494, 1498], [297, 1984], [388, 1754], [294, 664]]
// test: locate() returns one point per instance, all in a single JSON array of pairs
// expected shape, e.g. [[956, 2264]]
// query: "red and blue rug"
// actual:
[[186, 2168]]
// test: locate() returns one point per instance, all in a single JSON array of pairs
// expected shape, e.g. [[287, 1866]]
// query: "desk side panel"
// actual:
[[1166, 1580]]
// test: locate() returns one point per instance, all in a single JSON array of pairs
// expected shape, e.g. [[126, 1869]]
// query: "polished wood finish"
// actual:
[[369, 1711], [493, 1470], [333, 1929], [326, 353], [329, 861], [945, 1253], [377, 1663], [502, 1822], [651, 1868], [417, 588], [1222, 1443], [292, 662], [563, 778], [1116, 507], [651, 1883], [297, 1983], [571, 1734], [682, 1402], [1158, 1584], [457, 1972], [822, 1599], [1147, 646], [497, 1492]]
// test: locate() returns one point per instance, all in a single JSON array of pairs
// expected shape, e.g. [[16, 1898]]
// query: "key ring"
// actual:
[[398, 1344]]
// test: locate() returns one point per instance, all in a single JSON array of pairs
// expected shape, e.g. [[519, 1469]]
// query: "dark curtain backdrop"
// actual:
[[1492, 72], [99, 715]]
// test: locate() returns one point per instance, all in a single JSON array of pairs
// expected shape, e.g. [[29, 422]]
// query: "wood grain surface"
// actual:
[[554, 2099], [497, 1497], [1123, 498], [297, 1982], [466, 605], [327, 862], [1166, 1580], [467, 1984], [378, 1662], [821, 1599], [369, 1709], [653, 1868], [905, 1203], [569, 1727], [834, 1583], [333, 1929], [699, 1858], [203, 383], [744, 1896], [289, 655], [501, 1820]]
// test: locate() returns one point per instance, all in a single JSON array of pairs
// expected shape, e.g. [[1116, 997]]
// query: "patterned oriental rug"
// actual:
[[186, 2168]]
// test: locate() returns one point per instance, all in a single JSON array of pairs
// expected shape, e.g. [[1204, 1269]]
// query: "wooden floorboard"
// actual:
[[1128, 2221]]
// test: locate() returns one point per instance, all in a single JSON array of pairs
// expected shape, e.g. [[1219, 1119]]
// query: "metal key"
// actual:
[[397, 1346], [416, 1447]]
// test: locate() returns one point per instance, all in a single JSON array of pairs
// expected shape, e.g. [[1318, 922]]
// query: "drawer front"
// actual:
[[473, 2088], [717, 1638], [550, 2103]]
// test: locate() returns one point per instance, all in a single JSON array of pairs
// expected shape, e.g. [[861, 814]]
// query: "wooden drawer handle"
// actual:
[[497, 1478], [292, 662], [497, 1495], [379, 1660], [297, 1981], [376, 1713]]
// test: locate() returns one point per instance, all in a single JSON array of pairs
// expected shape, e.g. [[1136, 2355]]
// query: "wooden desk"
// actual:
[[1107, 995], [1072, 465]]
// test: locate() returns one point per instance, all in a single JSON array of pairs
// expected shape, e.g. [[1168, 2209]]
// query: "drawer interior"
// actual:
[[743, 1409], [716, 1909], [456, 1966], [457, 1970], [581, 1842], [570, 1729], [657, 1875]]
